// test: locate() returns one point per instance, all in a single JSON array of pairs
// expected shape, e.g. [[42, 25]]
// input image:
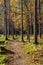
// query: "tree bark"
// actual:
[[35, 24], [40, 20], [5, 19], [13, 30], [22, 18], [28, 29]]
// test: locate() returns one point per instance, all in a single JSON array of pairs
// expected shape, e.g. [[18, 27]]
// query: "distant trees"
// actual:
[[24, 15], [28, 19]]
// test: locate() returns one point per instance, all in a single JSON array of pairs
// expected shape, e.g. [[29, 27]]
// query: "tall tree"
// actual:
[[8, 14], [22, 18], [5, 19], [28, 28], [39, 18], [35, 23], [12, 29]]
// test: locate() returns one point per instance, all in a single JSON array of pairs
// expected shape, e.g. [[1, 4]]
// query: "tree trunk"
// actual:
[[5, 18], [28, 29], [28, 32], [13, 30], [39, 19], [40, 30], [35, 24], [8, 15], [22, 18]]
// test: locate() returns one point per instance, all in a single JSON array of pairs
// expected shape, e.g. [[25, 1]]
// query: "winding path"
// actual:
[[19, 57]]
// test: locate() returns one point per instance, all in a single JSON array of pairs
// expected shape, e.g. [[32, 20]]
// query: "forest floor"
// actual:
[[22, 53], [23, 56]]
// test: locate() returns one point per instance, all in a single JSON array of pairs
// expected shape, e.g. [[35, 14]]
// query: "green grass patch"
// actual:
[[4, 57], [10, 37], [31, 48], [2, 38]]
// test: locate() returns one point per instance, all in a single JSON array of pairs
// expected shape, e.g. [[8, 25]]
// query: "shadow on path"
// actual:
[[6, 51]]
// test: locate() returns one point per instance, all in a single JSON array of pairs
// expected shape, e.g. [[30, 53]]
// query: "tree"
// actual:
[[12, 29], [39, 19], [22, 17], [5, 19], [35, 23]]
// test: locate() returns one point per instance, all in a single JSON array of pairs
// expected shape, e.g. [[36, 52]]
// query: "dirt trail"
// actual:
[[19, 57]]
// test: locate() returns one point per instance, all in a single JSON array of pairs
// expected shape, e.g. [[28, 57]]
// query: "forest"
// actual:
[[21, 32]]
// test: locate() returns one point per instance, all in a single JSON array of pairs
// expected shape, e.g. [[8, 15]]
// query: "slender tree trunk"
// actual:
[[13, 30], [40, 30], [31, 29], [28, 32], [8, 14], [39, 19], [28, 29], [5, 14], [35, 23], [29, 22], [22, 18]]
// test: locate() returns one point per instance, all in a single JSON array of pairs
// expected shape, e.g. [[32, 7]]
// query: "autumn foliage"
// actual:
[[2, 1]]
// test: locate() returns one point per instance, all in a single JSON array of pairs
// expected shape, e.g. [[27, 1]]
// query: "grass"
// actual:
[[31, 48], [2, 38], [4, 57], [34, 53], [10, 37]]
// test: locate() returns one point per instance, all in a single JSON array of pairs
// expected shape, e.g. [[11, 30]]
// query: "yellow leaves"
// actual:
[[2, 1]]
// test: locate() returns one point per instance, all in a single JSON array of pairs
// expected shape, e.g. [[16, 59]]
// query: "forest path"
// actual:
[[19, 57]]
